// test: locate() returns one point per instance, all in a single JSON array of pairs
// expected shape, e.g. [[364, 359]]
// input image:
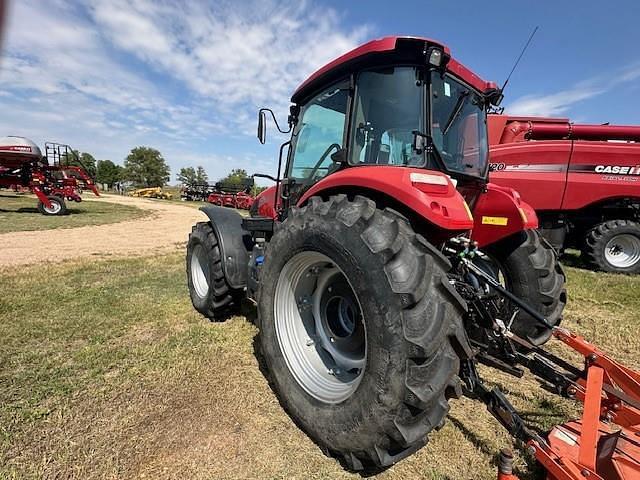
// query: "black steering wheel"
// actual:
[[316, 167]]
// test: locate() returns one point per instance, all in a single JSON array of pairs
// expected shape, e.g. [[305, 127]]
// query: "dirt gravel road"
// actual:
[[165, 229]]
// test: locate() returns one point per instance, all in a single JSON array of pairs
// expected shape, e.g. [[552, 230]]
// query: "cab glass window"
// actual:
[[388, 107], [318, 135], [458, 126]]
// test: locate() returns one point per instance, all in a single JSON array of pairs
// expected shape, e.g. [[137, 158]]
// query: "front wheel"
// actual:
[[360, 330], [528, 267], [211, 294], [614, 246], [58, 207]]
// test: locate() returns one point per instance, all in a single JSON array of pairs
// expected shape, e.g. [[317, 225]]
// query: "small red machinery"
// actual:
[[50, 177], [225, 198]]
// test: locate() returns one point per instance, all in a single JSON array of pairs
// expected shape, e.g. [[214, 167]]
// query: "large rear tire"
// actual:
[[529, 268], [369, 389], [614, 246], [210, 292], [58, 206]]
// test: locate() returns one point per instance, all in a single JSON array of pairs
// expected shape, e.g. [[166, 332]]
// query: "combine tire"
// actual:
[[210, 293], [58, 207], [360, 331], [528, 267], [614, 246]]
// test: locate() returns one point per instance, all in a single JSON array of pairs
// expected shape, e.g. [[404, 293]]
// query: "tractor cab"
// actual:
[[396, 101]]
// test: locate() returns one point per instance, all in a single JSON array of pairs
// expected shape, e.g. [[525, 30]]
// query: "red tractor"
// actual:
[[383, 264], [49, 177], [582, 180]]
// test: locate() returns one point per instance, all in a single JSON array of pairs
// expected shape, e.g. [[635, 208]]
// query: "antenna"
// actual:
[[524, 49]]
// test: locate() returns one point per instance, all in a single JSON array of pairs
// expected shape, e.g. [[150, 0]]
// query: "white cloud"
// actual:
[[559, 103], [107, 75], [235, 54], [553, 104]]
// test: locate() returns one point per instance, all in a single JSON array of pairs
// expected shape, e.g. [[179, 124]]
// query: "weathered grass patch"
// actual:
[[20, 213], [107, 372]]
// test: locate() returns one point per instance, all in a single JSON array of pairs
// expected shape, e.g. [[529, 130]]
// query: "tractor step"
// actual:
[[260, 226]]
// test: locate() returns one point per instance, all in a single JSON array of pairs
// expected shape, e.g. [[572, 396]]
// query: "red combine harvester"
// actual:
[[49, 177], [384, 267], [582, 180]]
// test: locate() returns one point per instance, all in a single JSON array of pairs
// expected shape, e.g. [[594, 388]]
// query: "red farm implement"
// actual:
[[604, 443], [51, 177], [232, 196]]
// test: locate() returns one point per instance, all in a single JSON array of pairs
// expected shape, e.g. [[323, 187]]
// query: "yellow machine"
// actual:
[[153, 192]]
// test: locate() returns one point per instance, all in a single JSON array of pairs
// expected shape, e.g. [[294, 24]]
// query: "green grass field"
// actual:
[[20, 213], [106, 371]]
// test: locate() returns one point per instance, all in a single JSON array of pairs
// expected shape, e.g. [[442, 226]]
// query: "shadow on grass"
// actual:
[[70, 211], [20, 210], [533, 472], [573, 259]]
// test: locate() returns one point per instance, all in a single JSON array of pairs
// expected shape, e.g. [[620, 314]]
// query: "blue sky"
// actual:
[[188, 77]]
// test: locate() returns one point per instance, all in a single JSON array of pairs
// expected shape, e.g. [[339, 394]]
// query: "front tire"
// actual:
[[211, 294], [614, 246], [403, 348], [58, 206], [531, 271]]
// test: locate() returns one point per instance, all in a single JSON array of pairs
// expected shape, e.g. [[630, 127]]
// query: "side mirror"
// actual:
[[262, 126], [495, 97]]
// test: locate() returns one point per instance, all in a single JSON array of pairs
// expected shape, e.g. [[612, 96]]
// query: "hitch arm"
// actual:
[[493, 283]]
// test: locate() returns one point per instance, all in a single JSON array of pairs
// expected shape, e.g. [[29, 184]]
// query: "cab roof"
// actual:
[[386, 50]]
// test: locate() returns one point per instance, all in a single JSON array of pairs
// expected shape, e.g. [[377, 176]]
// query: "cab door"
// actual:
[[318, 139]]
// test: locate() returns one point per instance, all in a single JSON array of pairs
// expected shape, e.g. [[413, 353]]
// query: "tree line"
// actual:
[[146, 167], [143, 167]]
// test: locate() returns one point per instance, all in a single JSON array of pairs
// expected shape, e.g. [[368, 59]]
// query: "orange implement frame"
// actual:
[[605, 443]]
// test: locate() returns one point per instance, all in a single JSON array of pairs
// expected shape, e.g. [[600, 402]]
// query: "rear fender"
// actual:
[[499, 213], [234, 242], [429, 194]]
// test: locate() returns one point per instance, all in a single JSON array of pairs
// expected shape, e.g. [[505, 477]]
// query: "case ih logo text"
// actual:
[[618, 170]]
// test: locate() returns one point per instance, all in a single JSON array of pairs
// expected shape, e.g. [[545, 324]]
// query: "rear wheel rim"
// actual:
[[623, 251], [319, 327], [199, 271], [55, 208]]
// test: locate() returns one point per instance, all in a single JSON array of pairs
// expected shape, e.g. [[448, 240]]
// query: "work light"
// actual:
[[435, 57]]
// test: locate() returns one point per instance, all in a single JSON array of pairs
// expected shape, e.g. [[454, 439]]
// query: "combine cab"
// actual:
[[50, 177]]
